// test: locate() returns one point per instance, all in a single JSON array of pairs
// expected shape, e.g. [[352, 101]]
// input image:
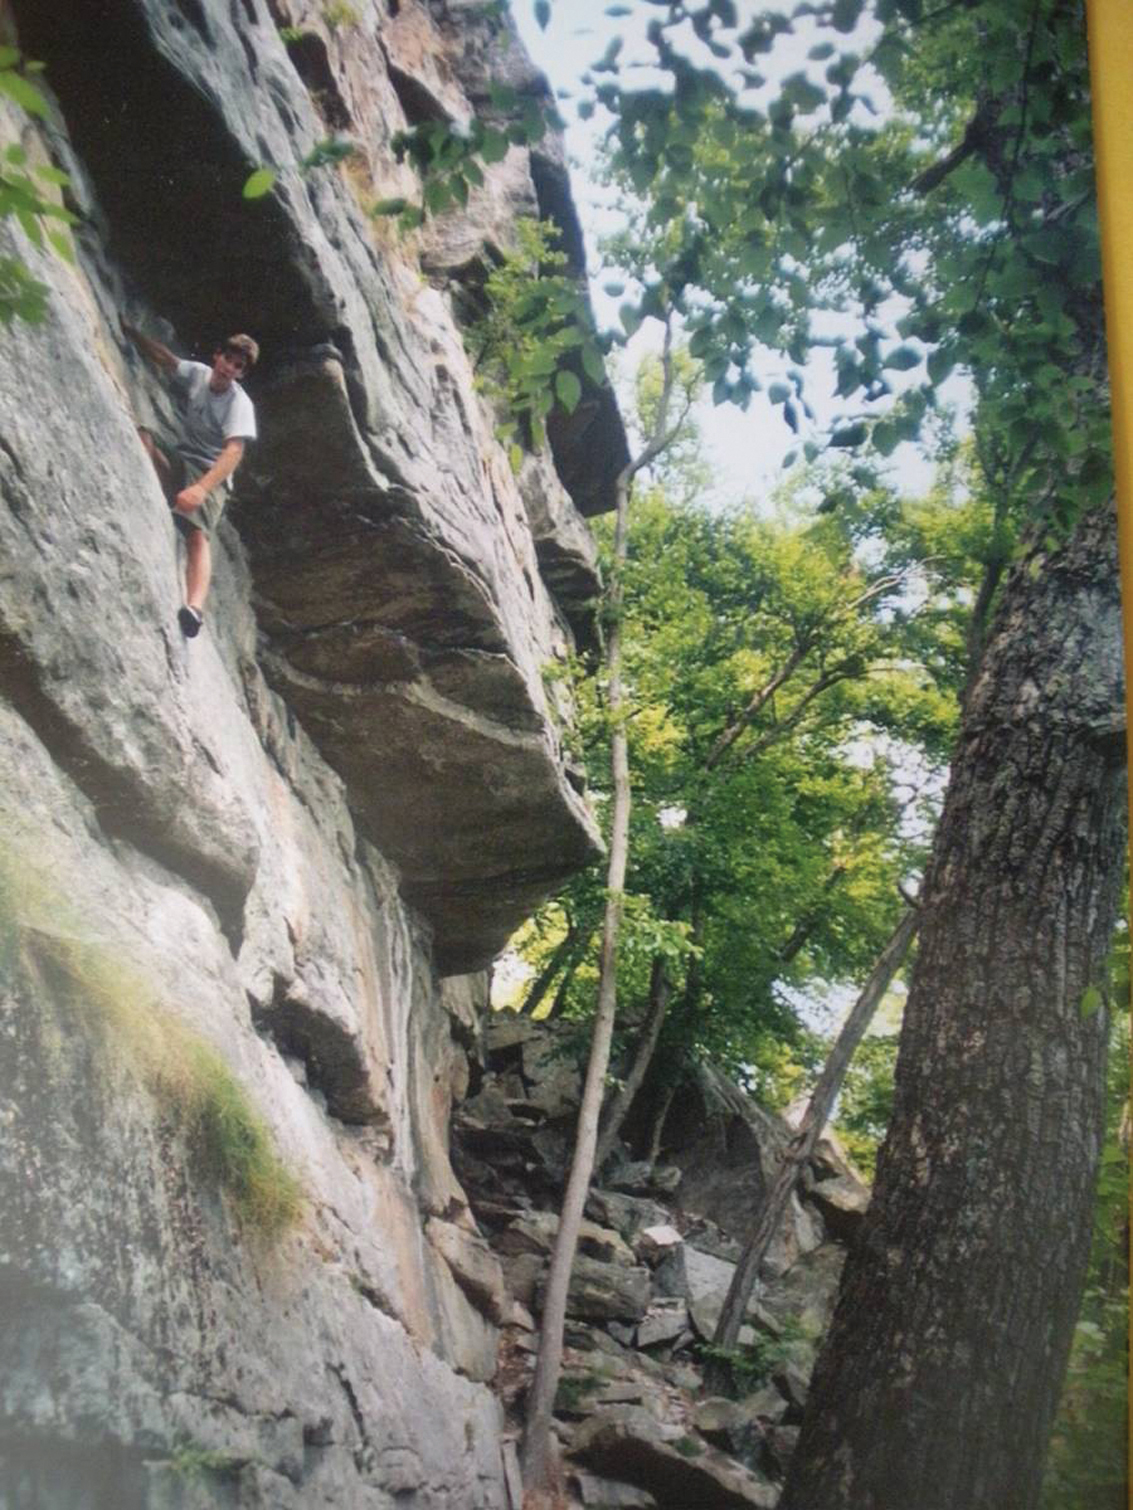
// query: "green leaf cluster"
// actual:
[[450, 155], [955, 230], [752, 1365], [535, 342], [25, 195], [780, 856], [328, 152]]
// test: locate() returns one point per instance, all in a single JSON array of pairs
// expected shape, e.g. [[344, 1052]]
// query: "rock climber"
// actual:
[[195, 467]]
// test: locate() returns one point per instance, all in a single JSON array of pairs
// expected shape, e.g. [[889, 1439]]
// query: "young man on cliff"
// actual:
[[195, 467]]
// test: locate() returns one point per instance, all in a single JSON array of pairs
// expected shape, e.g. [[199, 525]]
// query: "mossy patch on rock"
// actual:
[[121, 1014]]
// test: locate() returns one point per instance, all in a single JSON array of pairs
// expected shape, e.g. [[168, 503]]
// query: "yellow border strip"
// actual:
[[1111, 78]]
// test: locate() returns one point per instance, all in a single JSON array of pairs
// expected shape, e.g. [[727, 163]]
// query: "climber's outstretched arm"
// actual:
[[152, 350]]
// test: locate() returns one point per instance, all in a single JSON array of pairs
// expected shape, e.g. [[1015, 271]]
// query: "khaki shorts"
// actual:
[[183, 473]]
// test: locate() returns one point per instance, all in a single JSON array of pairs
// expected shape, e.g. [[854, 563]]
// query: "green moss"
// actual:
[[740, 1370], [575, 1389], [121, 1014], [341, 14], [233, 1144], [193, 1464]]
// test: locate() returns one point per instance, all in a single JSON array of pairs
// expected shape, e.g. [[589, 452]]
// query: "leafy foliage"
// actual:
[[328, 152], [450, 155], [778, 853], [954, 229], [535, 339], [752, 1365], [866, 1101], [25, 195]]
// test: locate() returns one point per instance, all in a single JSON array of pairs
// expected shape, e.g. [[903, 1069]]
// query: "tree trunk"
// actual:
[[660, 1116], [940, 1376], [814, 1119], [659, 992], [562, 990], [571, 947], [540, 1469]]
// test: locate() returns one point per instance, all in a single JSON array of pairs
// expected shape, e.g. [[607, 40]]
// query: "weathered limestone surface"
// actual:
[[274, 840]]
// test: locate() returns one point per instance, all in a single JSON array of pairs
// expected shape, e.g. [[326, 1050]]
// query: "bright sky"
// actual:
[[746, 448]]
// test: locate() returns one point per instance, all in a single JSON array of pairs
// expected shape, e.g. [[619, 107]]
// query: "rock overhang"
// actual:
[[405, 615]]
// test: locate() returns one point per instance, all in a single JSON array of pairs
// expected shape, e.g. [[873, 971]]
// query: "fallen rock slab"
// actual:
[[535, 1232], [627, 1214], [654, 1243], [642, 1178], [843, 1203], [665, 1320], [601, 1292], [680, 1470], [473, 1265], [607, 1494]]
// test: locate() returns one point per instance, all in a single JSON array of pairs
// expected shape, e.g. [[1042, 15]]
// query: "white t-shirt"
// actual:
[[211, 418]]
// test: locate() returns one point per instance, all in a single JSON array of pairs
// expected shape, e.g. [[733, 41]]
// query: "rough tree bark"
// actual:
[[941, 1372], [813, 1120], [620, 1103]]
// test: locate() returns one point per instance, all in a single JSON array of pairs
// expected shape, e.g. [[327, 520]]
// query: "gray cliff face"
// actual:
[[395, 570], [274, 840]]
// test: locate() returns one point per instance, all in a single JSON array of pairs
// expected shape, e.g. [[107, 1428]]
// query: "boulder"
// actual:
[[523, 1272], [655, 1243], [806, 1292], [601, 1291], [719, 1420], [681, 1470], [553, 1077], [474, 1266], [664, 1321], [767, 1404], [843, 1201], [535, 1232], [627, 1214], [608, 1494], [793, 1382], [644, 1178]]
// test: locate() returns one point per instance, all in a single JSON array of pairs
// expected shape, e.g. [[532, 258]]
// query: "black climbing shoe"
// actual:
[[190, 621]]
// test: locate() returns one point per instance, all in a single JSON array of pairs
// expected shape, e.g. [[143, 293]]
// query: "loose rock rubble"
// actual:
[[654, 1264]]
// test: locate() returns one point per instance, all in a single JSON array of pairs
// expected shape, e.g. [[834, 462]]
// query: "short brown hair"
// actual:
[[246, 347]]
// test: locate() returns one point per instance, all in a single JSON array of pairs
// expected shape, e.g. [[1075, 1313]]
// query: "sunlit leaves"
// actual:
[[536, 340], [22, 296], [568, 389], [961, 223], [19, 88], [716, 605], [259, 183], [449, 155], [39, 214]]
